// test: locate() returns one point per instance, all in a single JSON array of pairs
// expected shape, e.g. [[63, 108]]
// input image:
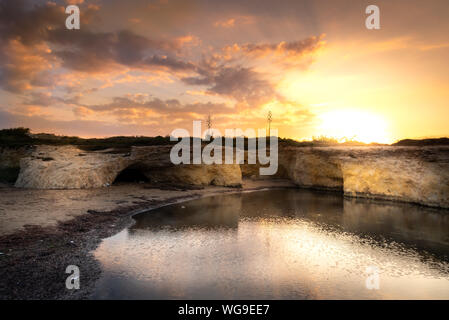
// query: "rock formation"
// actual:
[[67, 167], [412, 174]]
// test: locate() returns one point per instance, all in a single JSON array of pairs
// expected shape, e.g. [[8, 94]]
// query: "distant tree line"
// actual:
[[22, 137], [17, 137]]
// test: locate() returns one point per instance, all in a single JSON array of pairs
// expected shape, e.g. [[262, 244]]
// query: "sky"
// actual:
[[147, 67]]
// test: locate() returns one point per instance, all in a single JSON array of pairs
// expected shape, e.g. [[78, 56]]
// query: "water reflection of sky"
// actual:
[[283, 244]]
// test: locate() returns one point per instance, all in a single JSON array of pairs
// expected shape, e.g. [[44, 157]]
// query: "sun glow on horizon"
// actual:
[[354, 125]]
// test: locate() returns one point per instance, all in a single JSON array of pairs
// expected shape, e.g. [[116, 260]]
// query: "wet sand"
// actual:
[[44, 231]]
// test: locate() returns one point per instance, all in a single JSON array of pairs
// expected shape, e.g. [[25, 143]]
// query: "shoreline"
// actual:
[[34, 257]]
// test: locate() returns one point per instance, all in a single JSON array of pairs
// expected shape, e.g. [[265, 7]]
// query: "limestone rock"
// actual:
[[317, 168], [411, 174], [395, 177], [67, 167]]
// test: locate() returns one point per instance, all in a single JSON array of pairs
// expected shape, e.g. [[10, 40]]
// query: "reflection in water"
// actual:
[[278, 244]]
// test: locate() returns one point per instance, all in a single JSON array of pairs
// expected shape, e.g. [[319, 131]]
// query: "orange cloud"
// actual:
[[74, 1], [229, 23], [82, 112], [24, 67], [232, 22]]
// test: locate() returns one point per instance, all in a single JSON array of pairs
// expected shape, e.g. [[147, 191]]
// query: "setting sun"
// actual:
[[354, 125]]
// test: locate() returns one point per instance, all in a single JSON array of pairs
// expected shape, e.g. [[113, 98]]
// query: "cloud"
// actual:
[[38, 31], [79, 127], [92, 127], [41, 99], [225, 74], [234, 21], [74, 1], [29, 26], [242, 84], [229, 23], [294, 48], [46, 99], [141, 107], [282, 54], [95, 52], [82, 112], [41, 60], [169, 63], [22, 67], [33, 37]]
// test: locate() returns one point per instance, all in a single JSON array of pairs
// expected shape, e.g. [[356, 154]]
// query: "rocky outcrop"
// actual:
[[419, 176], [314, 167], [67, 167], [411, 174]]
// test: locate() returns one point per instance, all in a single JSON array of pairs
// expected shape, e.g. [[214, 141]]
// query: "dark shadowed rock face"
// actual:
[[411, 174], [10, 162]]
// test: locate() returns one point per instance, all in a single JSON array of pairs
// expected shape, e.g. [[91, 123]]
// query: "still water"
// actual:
[[279, 244]]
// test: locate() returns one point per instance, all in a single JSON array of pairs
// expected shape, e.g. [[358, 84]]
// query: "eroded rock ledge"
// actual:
[[68, 167], [412, 174]]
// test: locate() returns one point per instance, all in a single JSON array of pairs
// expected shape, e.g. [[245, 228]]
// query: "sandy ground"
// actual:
[[46, 208]]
